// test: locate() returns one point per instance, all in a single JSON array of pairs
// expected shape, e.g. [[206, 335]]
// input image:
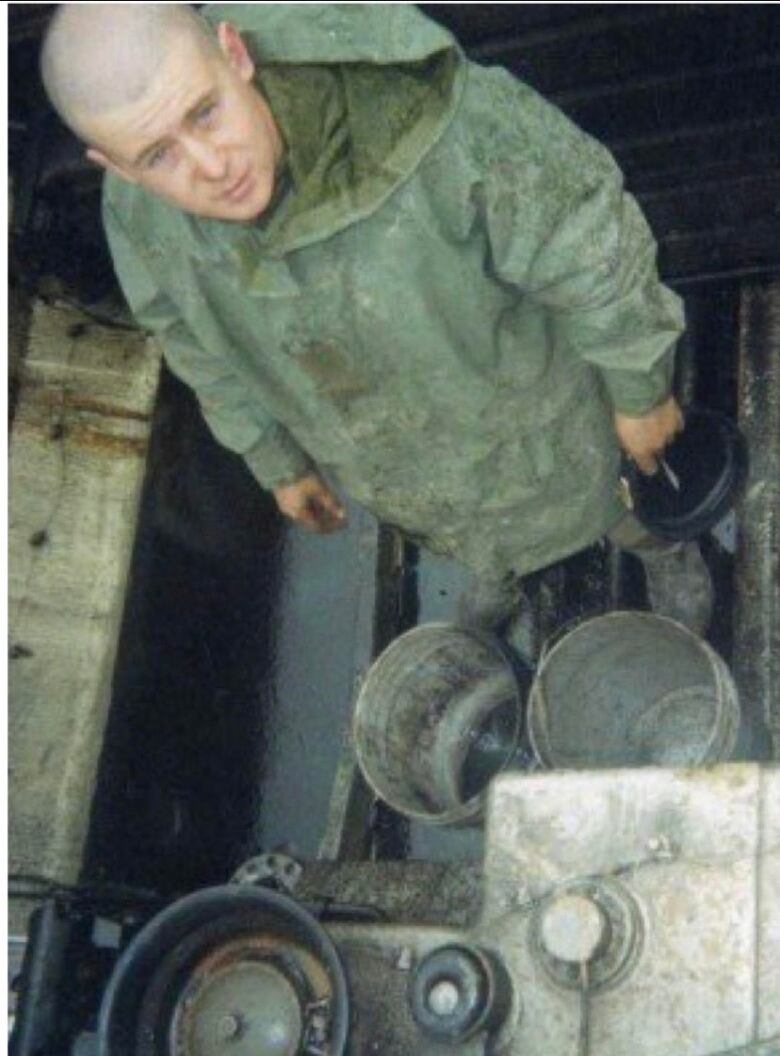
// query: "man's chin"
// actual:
[[245, 211]]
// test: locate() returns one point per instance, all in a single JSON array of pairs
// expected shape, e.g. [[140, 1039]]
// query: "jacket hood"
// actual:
[[361, 92], [334, 33]]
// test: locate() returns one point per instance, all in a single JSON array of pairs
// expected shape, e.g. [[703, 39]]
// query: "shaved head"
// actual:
[[97, 58], [164, 102]]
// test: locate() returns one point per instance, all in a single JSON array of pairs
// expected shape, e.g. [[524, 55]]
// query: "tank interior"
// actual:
[[242, 644]]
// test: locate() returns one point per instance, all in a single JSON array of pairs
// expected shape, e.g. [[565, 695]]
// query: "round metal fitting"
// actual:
[[227, 971], [457, 991], [592, 921], [248, 1008], [573, 928], [444, 998]]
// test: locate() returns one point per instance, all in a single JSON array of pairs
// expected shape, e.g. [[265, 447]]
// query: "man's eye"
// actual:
[[205, 113], [157, 158]]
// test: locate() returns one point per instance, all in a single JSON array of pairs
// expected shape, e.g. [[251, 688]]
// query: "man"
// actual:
[[379, 264]]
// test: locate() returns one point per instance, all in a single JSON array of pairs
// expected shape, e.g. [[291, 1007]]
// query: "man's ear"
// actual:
[[234, 50], [97, 157]]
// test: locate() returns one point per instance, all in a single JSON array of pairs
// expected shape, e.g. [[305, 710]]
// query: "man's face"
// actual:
[[201, 137]]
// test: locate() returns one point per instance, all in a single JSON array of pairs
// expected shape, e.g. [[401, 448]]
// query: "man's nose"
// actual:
[[207, 159]]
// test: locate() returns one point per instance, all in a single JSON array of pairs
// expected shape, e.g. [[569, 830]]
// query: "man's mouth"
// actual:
[[240, 189]]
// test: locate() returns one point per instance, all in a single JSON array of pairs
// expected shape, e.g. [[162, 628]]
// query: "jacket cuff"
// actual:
[[635, 393], [277, 458]]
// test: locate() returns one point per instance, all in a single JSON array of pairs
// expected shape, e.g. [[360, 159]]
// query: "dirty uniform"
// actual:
[[447, 300]]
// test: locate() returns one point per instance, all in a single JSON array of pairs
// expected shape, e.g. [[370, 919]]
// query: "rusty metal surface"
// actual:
[[379, 961], [407, 892], [685, 866], [283, 970], [74, 484], [72, 401], [79, 436]]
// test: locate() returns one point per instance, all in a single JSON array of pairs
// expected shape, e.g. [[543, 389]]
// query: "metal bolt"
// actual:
[[229, 1027], [443, 998]]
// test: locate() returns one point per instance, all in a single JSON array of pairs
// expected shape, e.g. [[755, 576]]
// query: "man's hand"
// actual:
[[311, 503], [644, 438]]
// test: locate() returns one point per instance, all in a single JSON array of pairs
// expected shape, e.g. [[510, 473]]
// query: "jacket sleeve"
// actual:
[[563, 230], [237, 420]]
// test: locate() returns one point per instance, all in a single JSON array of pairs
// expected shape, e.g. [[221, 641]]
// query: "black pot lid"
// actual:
[[703, 475]]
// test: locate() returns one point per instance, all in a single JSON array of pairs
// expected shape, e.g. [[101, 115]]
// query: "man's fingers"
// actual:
[[647, 465], [307, 515], [329, 504], [644, 437], [310, 503], [324, 514]]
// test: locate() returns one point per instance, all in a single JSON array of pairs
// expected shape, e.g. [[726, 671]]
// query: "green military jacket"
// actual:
[[446, 302]]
